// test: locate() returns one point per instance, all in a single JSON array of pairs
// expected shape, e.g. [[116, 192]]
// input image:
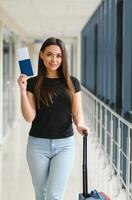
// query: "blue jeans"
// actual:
[[50, 162]]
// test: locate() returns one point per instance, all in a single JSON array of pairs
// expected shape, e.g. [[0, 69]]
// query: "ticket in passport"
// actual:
[[25, 62]]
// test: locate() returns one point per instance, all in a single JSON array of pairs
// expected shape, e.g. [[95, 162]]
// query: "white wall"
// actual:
[[7, 22], [1, 80]]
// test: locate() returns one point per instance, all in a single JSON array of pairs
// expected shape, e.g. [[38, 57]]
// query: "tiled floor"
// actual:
[[15, 180]]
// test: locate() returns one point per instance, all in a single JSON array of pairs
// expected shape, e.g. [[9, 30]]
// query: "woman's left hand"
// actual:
[[82, 130]]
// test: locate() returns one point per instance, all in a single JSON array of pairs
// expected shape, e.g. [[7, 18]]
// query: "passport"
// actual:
[[25, 62]]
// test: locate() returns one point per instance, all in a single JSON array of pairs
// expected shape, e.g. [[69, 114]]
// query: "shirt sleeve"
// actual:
[[76, 84], [31, 85]]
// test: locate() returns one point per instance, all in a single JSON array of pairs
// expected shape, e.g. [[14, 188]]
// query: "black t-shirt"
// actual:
[[53, 121]]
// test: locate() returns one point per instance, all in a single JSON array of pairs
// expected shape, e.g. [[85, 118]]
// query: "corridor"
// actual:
[[98, 39]]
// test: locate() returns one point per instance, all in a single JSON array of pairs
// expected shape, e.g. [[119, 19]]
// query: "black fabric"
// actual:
[[53, 121]]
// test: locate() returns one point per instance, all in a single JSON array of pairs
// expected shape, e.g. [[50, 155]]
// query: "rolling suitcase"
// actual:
[[94, 195]]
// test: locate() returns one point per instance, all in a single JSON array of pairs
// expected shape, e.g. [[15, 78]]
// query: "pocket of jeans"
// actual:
[[32, 140], [67, 142]]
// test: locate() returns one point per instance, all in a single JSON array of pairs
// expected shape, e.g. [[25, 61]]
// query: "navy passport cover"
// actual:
[[26, 67]]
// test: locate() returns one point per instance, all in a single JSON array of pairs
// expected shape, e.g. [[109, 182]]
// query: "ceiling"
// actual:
[[39, 18]]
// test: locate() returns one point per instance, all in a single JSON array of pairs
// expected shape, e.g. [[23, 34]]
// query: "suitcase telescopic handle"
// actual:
[[84, 168]]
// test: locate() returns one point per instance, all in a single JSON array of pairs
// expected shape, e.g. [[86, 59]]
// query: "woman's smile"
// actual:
[[53, 64]]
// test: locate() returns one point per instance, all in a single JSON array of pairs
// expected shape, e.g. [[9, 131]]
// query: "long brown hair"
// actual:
[[43, 93]]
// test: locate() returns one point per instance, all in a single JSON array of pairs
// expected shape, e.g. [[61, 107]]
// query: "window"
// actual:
[[95, 57], [119, 43]]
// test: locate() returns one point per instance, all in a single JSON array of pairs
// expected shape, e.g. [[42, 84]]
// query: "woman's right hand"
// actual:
[[22, 81]]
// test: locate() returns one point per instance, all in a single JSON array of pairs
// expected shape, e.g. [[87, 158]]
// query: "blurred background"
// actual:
[[98, 39]]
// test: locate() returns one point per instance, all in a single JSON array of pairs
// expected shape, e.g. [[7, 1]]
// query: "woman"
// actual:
[[50, 101]]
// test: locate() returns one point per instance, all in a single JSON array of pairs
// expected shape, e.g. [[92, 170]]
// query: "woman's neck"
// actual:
[[55, 75]]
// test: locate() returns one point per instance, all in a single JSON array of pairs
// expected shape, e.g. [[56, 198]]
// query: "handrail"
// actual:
[[114, 134], [108, 108]]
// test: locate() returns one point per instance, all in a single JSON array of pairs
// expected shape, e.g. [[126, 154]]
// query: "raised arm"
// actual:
[[27, 100]]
